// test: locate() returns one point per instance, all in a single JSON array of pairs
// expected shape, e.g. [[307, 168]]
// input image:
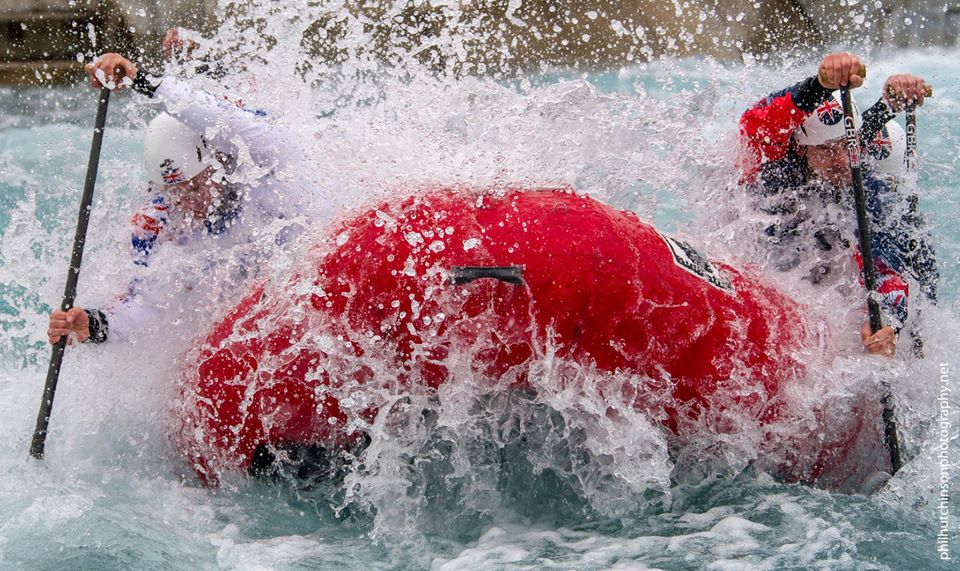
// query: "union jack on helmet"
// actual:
[[825, 124], [173, 153]]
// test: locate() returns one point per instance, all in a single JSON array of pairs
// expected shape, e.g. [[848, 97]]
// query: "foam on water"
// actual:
[[482, 480]]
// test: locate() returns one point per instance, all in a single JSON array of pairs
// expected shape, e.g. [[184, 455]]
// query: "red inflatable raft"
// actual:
[[410, 283]]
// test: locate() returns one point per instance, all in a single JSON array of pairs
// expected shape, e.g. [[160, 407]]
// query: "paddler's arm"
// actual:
[[137, 308], [124, 320], [898, 90], [130, 315], [229, 128]]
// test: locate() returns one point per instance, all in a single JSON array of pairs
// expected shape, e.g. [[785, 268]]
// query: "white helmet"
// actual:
[[173, 152], [825, 124], [888, 148]]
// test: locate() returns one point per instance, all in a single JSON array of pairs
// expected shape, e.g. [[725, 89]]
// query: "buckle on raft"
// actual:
[[460, 275]]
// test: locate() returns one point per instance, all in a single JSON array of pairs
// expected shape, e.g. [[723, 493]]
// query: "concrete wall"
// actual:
[[515, 35], [40, 37], [41, 41], [941, 23]]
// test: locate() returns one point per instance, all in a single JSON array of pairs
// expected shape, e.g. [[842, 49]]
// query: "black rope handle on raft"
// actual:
[[460, 275]]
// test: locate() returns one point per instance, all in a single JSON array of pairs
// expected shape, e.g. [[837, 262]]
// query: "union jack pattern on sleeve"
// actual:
[[146, 225]]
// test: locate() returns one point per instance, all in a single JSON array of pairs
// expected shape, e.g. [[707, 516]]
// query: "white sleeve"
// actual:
[[131, 316], [153, 301]]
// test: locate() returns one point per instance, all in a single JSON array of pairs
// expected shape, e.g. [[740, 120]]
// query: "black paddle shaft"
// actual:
[[891, 436], [860, 202], [73, 274]]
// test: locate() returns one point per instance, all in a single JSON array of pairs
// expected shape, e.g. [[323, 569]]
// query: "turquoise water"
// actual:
[[113, 493]]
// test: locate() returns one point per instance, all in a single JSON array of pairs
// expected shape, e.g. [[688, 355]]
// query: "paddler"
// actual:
[[795, 167], [221, 201]]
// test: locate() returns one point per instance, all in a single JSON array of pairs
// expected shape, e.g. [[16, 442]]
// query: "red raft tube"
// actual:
[[410, 281]]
